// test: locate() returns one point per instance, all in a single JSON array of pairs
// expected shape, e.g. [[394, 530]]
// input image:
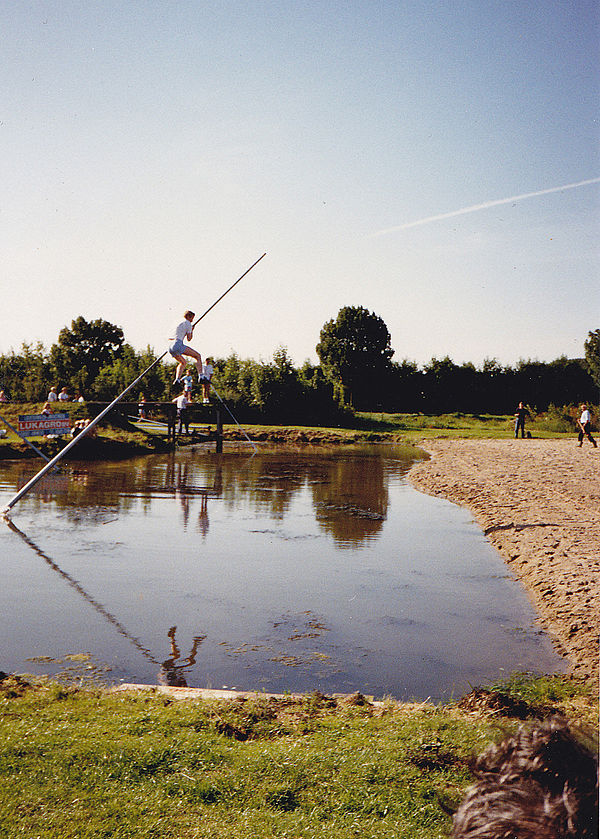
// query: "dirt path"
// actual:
[[538, 502]]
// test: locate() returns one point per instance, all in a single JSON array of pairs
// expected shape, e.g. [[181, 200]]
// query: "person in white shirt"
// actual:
[[179, 350], [585, 426], [207, 374], [63, 396], [52, 397], [182, 403]]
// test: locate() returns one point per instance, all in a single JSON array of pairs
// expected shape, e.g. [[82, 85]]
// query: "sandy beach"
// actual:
[[538, 502]]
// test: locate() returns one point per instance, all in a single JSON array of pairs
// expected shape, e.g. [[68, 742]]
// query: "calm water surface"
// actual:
[[288, 570]]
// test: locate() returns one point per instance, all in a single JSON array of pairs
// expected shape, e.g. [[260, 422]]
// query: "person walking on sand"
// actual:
[[585, 427], [520, 415], [178, 349]]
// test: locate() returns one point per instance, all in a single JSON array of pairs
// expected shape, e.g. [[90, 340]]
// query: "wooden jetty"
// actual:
[[178, 428]]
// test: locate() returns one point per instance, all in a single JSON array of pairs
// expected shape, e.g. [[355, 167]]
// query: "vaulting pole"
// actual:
[[228, 290]]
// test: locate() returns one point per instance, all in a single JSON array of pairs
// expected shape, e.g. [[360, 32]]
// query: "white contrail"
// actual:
[[476, 207]]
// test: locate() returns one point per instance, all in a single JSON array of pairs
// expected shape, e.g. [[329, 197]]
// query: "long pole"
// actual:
[[229, 289], [24, 490]]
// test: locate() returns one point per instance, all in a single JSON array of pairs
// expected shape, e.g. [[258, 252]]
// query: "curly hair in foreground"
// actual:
[[540, 783]]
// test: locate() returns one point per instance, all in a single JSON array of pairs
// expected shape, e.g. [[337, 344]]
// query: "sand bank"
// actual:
[[538, 502]]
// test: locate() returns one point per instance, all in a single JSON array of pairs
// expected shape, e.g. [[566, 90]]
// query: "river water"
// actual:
[[287, 570]]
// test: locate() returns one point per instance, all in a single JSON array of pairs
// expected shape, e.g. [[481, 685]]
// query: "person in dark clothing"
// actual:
[[520, 415]]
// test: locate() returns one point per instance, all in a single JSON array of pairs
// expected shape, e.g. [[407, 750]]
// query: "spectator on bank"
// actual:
[[81, 425], [52, 397], [585, 426], [63, 396], [520, 415], [80, 398], [46, 410], [3, 396]]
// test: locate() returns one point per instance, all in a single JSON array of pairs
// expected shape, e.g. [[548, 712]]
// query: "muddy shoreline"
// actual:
[[538, 502]]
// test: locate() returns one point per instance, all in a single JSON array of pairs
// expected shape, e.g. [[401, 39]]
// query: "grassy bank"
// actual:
[[83, 763], [113, 442]]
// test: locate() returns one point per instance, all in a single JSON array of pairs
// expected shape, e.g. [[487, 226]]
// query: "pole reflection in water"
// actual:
[[295, 570]]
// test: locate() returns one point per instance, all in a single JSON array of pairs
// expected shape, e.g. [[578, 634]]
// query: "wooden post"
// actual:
[[219, 446]]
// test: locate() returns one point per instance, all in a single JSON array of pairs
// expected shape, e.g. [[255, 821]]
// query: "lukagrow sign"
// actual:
[[40, 425]]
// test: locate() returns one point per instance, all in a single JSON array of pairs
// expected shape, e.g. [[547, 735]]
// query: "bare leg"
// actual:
[[180, 367], [196, 356]]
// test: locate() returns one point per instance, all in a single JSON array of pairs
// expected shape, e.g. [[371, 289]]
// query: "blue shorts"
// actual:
[[177, 347]]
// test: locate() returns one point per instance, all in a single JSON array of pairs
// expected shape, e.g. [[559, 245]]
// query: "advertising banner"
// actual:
[[39, 425]]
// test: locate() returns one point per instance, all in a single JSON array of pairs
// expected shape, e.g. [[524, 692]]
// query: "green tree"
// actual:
[[592, 355], [355, 352], [83, 350]]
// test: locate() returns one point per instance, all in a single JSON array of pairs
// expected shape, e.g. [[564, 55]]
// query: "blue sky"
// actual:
[[151, 151]]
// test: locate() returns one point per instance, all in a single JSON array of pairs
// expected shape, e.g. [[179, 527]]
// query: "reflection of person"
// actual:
[[171, 673], [538, 784], [207, 374], [520, 415], [585, 426], [182, 403], [178, 349], [203, 522]]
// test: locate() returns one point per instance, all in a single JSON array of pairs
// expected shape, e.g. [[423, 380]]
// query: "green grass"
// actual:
[[422, 426], [88, 763]]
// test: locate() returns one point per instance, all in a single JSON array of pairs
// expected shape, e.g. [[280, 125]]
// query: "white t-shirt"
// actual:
[[183, 330], [182, 402], [207, 371], [63, 397], [52, 397], [585, 417]]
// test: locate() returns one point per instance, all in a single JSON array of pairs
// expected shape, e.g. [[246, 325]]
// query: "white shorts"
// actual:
[[177, 347]]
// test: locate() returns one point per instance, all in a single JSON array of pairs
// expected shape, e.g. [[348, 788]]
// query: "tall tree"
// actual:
[[355, 352], [592, 355], [84, 349]]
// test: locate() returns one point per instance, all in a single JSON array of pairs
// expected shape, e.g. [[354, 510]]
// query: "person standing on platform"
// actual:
[[207, 374]]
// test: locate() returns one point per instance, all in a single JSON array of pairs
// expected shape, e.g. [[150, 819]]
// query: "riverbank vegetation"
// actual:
[[356, 372], [82, 762]]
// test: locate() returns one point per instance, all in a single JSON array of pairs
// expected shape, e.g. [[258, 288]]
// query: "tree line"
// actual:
[[355, 372]]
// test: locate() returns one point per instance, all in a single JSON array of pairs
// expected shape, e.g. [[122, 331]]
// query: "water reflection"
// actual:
[[348, 487], [318, 569], [173, 669]]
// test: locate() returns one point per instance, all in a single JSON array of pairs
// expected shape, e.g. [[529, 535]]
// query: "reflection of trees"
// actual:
[[352, 505], [349, 487]]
